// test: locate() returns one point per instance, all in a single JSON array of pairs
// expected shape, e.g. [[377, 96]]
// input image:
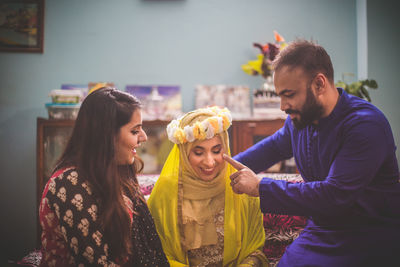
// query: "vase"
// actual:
[[266, 103], [268, 87]]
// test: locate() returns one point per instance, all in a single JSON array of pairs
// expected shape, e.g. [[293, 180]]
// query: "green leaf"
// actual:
[[359, 88], [370, 83], [365, 93], [341, 84], [356, 85]]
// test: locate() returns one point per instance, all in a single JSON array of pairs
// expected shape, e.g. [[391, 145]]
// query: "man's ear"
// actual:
[[320, 83]]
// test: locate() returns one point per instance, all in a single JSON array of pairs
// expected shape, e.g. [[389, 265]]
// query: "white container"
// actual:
[[63, 111], [66, 96]]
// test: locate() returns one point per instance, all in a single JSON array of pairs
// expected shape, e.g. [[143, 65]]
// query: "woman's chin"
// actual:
[[209, 177], [127, 162]]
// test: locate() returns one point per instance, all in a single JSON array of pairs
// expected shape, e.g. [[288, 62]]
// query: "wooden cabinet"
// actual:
[[51, 139], [246, 133]]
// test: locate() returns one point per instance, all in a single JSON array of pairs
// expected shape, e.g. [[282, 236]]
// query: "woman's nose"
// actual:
[[209, 161], [143, 136]]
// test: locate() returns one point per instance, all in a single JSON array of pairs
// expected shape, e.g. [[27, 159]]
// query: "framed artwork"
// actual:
[[235, 98], [160, 102], [21, 25]]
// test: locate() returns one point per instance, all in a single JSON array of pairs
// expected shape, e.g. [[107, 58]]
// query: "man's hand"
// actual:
[[244, 180]]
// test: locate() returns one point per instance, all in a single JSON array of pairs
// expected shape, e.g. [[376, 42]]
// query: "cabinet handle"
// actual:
[[252, 125]]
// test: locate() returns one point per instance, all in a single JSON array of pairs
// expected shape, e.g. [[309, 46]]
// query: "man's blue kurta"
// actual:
[[351, 192]]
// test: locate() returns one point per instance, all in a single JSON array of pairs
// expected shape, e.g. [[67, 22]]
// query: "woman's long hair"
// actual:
[[91, 149]]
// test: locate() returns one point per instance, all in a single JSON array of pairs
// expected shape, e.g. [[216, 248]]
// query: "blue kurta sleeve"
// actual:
[[363, 147], [268, 151]]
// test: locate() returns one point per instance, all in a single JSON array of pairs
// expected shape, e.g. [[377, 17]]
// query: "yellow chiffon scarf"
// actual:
[[243, 224], [199, 201]]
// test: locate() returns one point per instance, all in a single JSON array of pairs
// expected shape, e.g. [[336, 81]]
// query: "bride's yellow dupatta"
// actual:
[[243, 224]]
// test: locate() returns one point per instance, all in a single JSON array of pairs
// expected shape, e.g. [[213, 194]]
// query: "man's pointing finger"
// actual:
[[236, 164]]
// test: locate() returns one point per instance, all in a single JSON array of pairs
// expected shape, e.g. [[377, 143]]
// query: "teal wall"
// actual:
[[383, 59], [184, 42]]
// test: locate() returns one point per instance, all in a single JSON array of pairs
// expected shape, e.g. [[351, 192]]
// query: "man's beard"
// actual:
[[311, 111]]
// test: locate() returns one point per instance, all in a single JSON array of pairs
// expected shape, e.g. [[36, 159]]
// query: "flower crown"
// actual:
[[205, 129]]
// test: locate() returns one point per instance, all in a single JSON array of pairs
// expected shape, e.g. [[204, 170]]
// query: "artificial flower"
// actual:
[[263, 64]]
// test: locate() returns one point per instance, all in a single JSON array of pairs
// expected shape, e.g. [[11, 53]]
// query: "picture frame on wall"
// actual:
[[21, 26], [235, 97], [160, 102]]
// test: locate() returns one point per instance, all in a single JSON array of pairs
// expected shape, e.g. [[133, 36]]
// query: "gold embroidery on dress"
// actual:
[[211, 255]]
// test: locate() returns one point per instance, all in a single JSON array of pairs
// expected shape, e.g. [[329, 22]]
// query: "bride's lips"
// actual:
[[207, 172]]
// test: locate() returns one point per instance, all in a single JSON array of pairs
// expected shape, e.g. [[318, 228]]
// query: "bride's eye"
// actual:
[[198, 153], [217, 151]]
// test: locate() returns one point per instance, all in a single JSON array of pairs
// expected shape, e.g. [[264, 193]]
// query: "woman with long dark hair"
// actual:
[[92, 210]]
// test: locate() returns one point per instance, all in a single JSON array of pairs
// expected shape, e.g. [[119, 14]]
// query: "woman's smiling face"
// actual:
[[129, 138], [205, 157]]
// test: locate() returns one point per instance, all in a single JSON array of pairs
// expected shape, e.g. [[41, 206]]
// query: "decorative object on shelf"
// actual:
[[160, 102], [262, 65], [235, 97], [84, 88], [62, 111], [62, 96], [22, 26], [359, 88], [266, 103], [93, 86], [65, 103]]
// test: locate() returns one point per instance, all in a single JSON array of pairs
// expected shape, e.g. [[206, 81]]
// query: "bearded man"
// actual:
[[344, 149]]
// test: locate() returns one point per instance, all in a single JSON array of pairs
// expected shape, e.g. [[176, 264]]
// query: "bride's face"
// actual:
[[205, 157]]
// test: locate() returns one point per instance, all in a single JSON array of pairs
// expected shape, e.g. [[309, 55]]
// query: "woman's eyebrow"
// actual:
[[137, 126]]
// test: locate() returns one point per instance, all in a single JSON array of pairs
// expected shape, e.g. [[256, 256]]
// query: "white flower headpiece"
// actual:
[[205, 129]]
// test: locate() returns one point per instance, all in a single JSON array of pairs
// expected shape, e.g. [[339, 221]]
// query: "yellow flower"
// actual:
[[253, 67], [197, 130], [205, 129], [180, 135], [225, 122], [214, 123], [202, 132]]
